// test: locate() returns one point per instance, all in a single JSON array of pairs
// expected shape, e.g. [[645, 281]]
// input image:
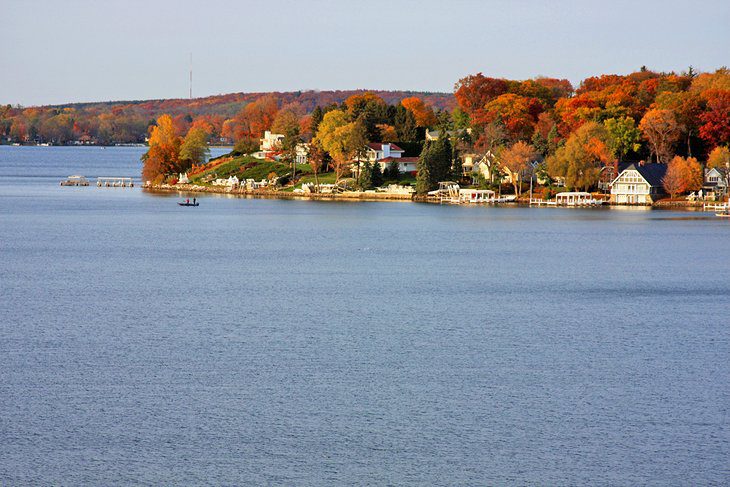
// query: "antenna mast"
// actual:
[[191, 75]]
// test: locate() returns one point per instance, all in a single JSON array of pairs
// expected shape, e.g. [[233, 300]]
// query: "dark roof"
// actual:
[[378, 146], [652, 172]]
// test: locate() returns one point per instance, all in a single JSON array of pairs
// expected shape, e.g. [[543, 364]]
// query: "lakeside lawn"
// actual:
[[247, 167]]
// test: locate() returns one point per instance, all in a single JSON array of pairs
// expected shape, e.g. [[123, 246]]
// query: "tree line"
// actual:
[[578, 135]]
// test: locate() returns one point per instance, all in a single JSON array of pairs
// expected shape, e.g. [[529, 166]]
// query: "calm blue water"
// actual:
[[253, 341]]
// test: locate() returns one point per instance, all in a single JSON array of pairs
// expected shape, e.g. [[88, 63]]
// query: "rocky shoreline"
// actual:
[[268, 193], [362, 195]]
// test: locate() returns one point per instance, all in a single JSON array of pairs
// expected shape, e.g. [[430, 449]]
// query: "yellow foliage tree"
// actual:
[[163, 155], [719, 157]]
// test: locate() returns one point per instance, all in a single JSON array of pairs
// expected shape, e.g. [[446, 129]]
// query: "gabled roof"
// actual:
[[720, 170], [378, 146], [653, 173]]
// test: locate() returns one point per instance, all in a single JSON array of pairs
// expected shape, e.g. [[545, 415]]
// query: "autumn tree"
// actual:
[[341, 138], [518, 115], [286, 123], [387, 133], [421, 112], [516, 160], [686, 107], [583, 158], [194, 148], [719, 157], [683, 174], [475, 91], [715, 128], [661, 130], [315, 158], [163, 155]]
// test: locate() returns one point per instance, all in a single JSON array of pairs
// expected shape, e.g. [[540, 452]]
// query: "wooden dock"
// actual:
[[114, 182]]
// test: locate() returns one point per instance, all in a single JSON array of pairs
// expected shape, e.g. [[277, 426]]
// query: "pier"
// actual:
[[715, 207], [114, 182]]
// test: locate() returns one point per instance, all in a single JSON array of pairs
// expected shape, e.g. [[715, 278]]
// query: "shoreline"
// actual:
[[374, 196]]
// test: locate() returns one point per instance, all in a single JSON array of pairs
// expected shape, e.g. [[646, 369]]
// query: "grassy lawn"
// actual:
[[247, 167]]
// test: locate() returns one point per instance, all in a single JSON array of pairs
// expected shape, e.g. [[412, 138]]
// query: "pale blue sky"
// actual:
[[65, 51]]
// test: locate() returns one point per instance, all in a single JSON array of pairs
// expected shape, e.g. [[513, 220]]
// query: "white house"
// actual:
[[480, 164], [377, 151], [638, 184], [386, 154], [271, 142], [716, 181], [302, 153]]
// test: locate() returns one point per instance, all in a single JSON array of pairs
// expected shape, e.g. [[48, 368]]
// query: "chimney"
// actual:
[[386, 150]]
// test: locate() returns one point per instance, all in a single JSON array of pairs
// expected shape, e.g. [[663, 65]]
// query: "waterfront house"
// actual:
[[302, 153], [183, 178], [271, 142], [484, 165], [716, 182], [385, 154], [638, 184]]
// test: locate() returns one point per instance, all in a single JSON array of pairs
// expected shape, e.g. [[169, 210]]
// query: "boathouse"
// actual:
[[638, 184]]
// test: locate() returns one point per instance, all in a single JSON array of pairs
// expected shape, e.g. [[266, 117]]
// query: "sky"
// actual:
[[54, 52]]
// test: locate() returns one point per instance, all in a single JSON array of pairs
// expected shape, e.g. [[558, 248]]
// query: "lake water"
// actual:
[[259, 341]]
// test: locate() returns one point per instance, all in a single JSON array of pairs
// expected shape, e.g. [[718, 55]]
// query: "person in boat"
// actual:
[[193, 200], [187, 201]]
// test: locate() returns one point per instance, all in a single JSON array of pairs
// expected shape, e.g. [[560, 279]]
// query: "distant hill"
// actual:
[[229, 104]]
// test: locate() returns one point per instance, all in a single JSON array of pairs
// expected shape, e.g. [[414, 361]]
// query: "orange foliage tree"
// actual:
[[682, 175], [516, 159], [163, 155], [517, 113], [715, 128], [421, 112], [661, 130], [475, 91]]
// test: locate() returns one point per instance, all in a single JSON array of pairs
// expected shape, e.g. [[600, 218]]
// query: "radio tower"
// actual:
[[191, 75]]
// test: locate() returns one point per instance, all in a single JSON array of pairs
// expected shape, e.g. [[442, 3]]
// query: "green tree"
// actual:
[[405, 125], [194, 149], [442, 158], [376, 175], [392, 171], [317, 116], [623, 136]]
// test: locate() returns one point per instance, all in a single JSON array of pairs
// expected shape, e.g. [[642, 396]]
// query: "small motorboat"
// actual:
[[189, 204]]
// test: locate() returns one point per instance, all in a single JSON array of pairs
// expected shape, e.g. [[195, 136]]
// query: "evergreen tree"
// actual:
[[424, 183], [405, 125], [392, 171], [539, 143], [441, 160], [376, 175], [553, 141], [457, 169], [317, 116], [366, 175]]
